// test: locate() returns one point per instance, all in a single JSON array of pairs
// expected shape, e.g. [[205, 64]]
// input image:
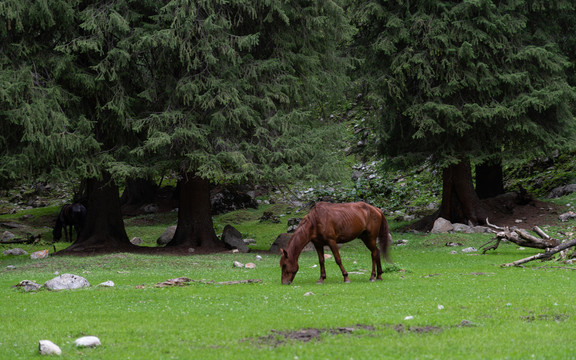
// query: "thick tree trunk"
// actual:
[[195, 228], [489, 179], [460, 203], [104, 230]]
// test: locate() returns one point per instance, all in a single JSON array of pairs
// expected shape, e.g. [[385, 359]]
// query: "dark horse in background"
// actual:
[[332, 224], [71, 216]]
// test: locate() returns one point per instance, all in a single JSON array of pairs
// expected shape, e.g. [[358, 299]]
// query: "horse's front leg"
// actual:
[[334, 247], [320, 251]]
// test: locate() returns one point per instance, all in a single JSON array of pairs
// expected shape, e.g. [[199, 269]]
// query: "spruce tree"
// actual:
[[465, 82]]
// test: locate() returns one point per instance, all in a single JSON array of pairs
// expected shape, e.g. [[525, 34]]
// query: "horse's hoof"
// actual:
[[372, 280], [320, 282], [347, 281]]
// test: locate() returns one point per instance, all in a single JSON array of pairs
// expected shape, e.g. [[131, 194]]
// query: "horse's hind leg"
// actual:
[[321, 260], [334, 247], [376, 263]]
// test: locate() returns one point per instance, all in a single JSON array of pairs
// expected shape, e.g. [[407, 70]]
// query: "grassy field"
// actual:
[[431, 305]]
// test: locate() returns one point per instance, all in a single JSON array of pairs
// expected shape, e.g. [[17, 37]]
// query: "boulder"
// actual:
[[567, 216], [167, 236], [66, 282], [442, 225], [230, 199], [282, 241], [47, 347], [232, 238], [462, 228], [15, 252]]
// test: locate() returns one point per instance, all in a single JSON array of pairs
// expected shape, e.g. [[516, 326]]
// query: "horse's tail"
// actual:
[[385, 239]]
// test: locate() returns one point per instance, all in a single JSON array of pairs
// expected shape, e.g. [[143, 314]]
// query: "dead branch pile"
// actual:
[[522, 237]]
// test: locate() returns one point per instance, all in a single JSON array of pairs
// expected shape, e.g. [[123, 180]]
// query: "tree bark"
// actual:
[[489, 179], [104, 230], [195, 228], [460, 203]]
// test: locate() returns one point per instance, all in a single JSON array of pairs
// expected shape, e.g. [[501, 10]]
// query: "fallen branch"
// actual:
[[545, 255], [520, 237]]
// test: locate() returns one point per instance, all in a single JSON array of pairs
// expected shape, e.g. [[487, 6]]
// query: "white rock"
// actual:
[[136, 241], [29, 285], [250, 266], [42, 254], [67, 282], [440, 307], [469, 249], [47, 347], [258, 257], [108, 283], [237, 264], [87, 341], [409, 317], [309, 293]]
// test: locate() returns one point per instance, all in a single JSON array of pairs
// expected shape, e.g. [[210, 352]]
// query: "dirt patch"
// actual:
[[544, 317], [277, 338], [401, 329]]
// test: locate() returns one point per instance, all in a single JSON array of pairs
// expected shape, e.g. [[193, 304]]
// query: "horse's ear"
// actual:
[[284, 253]]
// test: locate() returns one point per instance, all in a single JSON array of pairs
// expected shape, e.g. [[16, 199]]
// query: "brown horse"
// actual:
[[331, 224]]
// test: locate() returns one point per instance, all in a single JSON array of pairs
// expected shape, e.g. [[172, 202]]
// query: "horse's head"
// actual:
[[289, 266]]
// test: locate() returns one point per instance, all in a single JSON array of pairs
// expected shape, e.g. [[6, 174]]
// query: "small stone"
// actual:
[[28, 285], [42, 254], [469, 249], [309, 293], [87, 341], [440, 307], [108, 283], [409, 317], [237, 264], [258, 257], [327, 256], [10, 267], [250, 266], [47, 347], [7, 236], [136, 241], [191, 250]]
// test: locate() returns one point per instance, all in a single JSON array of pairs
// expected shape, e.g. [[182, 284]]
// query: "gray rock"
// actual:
[[462, 228], [108, 283], [28, 285], [66, 282], [480, 229], [15, 252], [567, 216], [562, 191], [87, 341], [282, 241], [233, 239], [47, 347], [441, 226], [150, 208], [167, 236], [7, 236], [469, 249], [136, 241]]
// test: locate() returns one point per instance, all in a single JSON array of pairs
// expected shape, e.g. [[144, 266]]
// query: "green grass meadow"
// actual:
[[431, 304]]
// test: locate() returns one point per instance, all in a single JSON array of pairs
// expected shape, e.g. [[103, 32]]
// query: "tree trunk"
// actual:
[[195, 228], [460, 203], [104, 230], [489, 179]]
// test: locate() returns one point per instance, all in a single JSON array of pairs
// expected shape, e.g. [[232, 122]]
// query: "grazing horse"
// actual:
[[71, 215], [332, 224]]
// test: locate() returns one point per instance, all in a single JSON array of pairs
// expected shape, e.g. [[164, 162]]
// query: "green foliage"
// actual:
[[465, 79]]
